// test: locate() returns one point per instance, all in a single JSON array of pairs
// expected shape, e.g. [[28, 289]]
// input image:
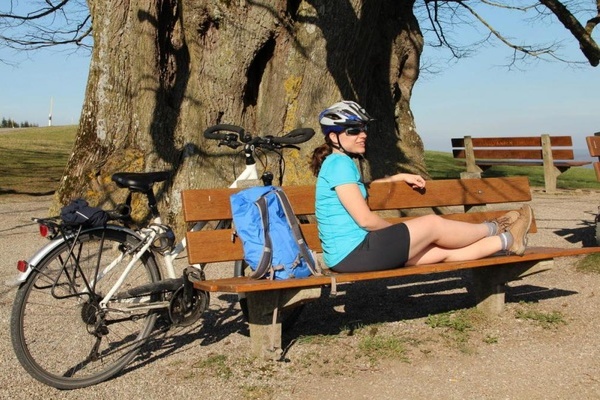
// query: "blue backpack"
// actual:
[[273, 244]]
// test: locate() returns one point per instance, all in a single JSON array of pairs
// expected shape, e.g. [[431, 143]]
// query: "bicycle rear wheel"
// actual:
[[59, 334]]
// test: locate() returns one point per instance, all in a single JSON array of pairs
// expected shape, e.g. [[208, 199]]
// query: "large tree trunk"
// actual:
[[162, 71]]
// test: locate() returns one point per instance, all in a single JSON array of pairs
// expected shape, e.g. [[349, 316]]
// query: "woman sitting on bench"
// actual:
[[356, 239]]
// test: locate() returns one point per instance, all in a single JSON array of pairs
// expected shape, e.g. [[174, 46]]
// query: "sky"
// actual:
[[476, 96]]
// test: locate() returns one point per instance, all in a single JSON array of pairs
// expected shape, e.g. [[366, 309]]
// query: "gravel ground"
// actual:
[[502, 358]]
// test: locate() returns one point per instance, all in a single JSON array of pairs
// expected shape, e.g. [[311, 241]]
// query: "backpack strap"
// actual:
[[293, 222], [266, 258]]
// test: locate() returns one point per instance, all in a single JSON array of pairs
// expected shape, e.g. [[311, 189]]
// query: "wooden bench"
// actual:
[[471, 195], [554, 153], [593, 143]]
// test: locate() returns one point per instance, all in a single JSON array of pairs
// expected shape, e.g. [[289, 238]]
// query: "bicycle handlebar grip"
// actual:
[[296, 136], [210, 132]]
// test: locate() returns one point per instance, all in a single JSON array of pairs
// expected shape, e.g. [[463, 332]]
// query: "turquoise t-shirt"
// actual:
[[339, 233]]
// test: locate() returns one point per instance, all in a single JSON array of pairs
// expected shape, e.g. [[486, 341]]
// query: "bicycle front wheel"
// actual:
[[60, 334]]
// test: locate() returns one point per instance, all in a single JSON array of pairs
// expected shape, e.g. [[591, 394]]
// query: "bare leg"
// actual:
[[433, 254], [433, 239]]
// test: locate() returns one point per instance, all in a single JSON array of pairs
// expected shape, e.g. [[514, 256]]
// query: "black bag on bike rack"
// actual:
[[79, 212]]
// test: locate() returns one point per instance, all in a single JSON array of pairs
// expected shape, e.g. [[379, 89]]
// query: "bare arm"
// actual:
[[352, 200], [414, 181]]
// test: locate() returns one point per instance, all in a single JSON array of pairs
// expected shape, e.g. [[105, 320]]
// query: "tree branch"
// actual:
[[51, 23], [588, 46]]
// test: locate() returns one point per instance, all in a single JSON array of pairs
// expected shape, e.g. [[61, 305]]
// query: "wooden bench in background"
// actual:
[[593, 143], [489, 275], [554, 153]]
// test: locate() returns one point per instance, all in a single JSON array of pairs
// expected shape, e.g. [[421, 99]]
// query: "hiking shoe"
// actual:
[[506, 221], [519, 230]]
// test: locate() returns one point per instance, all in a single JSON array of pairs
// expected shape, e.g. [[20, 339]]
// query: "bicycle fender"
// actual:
[[48, 248]]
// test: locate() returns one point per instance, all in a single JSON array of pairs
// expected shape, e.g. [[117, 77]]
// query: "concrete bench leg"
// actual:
[[489, 283], [265, 336], [551, 174]]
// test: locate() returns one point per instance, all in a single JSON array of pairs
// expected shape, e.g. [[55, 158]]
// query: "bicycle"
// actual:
[[91, 298]]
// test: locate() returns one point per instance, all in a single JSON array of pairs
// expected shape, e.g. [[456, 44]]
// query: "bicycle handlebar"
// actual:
[[296, 136], [237, 136], [209, 133]]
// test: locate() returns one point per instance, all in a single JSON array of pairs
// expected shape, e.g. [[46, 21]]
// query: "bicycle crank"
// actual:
[[186, 308], [187, 303]]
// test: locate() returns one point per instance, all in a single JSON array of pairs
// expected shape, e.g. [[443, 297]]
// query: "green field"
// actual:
[[32, 161]]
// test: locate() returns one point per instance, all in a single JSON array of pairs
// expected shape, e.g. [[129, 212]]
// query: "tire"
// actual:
[[54, 322]]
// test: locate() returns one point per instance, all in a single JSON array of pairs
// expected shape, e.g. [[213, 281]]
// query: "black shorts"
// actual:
[[382, 249]]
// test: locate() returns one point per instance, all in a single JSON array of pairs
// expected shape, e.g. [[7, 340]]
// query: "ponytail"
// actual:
[[319, 155]]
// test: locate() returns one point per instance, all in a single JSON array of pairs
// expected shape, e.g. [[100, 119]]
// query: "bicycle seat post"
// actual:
[[152, 204]]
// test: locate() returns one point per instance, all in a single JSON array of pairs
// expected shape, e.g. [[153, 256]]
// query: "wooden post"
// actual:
[[470, 157], [489, 283], [265, 334], [550, 171]]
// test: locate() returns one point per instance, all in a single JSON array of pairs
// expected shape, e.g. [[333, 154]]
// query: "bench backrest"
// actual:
[[515, 148], [207, 246], [593, 143]]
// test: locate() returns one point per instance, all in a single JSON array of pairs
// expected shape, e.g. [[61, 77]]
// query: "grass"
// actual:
[[32, 160], [216, 365], [547, 320], [457, 326], [376, 347], [589, 264]]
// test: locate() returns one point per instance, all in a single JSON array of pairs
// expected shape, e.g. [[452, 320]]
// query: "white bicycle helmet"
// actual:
[[343, 115]]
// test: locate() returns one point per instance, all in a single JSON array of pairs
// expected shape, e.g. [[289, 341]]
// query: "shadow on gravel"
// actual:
[[400, 299], [213, 327], [585, 234], [356, 305], [34, 194]]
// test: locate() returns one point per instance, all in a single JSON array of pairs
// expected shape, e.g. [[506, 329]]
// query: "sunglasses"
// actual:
[[356, 130]]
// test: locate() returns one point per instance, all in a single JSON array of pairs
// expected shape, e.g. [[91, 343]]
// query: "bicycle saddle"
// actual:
[[139, 181]]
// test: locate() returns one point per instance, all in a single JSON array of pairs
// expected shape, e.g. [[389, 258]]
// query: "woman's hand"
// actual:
[[414, 181]]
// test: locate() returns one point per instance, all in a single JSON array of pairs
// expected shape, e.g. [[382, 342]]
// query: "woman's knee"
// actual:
[[427, 225], [432, 222]]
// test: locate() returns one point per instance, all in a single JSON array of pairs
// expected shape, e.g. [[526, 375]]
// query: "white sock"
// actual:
[[507, 240], [492, 228]]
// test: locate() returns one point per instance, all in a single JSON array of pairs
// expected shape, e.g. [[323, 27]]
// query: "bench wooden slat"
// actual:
[[213, 204], [521, 154], [211, 246], [385, 196], [526, 163], [244, 284], [526, 141], [593, 143]]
